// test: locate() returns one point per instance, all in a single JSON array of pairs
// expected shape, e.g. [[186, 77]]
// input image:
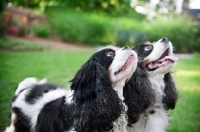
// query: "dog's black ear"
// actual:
[[171, 94], [97, 104], [138, 94]]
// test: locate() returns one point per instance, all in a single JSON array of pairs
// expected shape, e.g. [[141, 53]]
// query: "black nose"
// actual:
[[125, 47], [164, 40]]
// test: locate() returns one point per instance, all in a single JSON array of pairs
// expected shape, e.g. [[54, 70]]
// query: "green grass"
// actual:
[[186, 116], [60, 66]]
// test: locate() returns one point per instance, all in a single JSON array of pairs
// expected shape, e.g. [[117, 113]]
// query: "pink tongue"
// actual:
[[173, 58], [162, 62], [153, 65]]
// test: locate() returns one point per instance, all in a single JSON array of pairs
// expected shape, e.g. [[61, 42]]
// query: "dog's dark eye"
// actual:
[[110, 54], [147, 48]]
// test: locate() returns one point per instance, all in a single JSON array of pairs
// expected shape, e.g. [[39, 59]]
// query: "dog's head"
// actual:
[[157, 57], [119, 63], [153, 59], [97, 104]]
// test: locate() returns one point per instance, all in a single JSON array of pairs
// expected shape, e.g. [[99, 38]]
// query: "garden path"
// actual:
[[56, 44]]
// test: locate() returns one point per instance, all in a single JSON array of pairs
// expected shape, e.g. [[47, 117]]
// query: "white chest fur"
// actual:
[[159, 120]]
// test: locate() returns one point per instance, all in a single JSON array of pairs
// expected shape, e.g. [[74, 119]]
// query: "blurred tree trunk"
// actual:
[[185, 6], [26, 3], [3, 5]]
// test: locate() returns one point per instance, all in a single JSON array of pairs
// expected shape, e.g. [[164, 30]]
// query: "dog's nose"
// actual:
[[164, 40], [125, 47]]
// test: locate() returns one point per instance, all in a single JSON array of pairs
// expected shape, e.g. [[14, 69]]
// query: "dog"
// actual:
[[155, 62], [94, 102]]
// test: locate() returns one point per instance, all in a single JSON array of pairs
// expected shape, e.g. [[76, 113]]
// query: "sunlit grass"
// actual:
[[186, 116]]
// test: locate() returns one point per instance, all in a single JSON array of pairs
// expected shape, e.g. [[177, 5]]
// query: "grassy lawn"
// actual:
[[186, 116], [60, 66]]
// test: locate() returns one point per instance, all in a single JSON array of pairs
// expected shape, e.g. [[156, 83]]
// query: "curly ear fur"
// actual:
[[171, 94], [97, 104], [138, 94]]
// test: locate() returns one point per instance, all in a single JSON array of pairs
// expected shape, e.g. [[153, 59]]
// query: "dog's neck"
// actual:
[[121, 123], [118, 86], [158, 85]]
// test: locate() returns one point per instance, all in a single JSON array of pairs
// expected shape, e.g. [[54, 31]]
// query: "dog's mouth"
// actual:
[[126, 64], [162, 61]]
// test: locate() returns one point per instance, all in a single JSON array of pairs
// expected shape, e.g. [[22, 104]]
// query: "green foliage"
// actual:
[[2, 27], [41, 31], [2, 5], [112, 7], [8, 25], [93, 28], [18, 45], [72, 26], [22, 31], [90, 28], [180, 31], [129, 37]]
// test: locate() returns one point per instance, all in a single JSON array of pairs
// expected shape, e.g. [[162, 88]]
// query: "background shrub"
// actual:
[[76, 27], [129, 37], [22, 31], [91, 28], [180, 31], [8, 25], [99, 28], [41, 31]]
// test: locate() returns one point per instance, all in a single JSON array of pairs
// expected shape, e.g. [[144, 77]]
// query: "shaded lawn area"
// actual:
[[60, 66]]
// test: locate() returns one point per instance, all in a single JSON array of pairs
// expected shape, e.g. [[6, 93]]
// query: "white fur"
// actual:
[[159, 48], [119, 80], [159, 121], [32, 110], [121, 57], [121, 123], [28, 82], [11, 128]]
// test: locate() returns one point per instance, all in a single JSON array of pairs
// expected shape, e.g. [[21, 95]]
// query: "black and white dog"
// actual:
[[155, 62], [94, 103]]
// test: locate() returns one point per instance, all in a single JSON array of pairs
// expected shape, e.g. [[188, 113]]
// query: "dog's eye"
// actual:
[[147, 48], [110, 54]]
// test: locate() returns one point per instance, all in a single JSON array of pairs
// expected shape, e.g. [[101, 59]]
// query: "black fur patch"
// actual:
[[22, 122], [171, 94], [14, 98], [143, 50], [138, 94], [97, 104], [37, 91], [55, 116]]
